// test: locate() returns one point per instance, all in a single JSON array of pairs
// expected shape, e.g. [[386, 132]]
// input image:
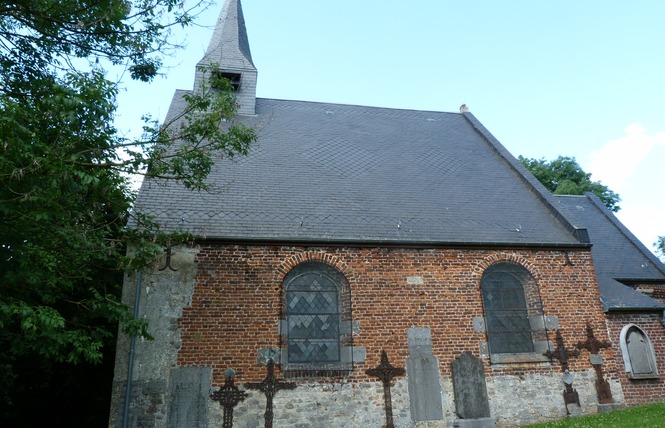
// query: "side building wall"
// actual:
[[222, 308], [640, 391]]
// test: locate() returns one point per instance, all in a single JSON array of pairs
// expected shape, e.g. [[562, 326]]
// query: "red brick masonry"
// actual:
[[238, 296]]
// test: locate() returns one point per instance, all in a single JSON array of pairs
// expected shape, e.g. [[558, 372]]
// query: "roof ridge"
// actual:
[[360, 106]]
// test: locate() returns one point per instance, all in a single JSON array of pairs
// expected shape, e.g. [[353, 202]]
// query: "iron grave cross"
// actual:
[[386, 372], [561, 353], [570, 395], [270, 386], [594, 346], [229, 396]]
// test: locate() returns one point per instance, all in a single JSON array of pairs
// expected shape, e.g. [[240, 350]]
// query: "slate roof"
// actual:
[[618, 256], [229, 44], [351, 174]]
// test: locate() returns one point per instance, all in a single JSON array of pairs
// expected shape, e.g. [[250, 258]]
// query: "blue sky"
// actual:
[[547, 78]]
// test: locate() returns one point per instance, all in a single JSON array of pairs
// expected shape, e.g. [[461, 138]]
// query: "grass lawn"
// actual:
[[649, 416]]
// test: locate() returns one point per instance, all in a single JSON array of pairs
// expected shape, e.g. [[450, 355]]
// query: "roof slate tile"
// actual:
[[617, 254], [353, 173]]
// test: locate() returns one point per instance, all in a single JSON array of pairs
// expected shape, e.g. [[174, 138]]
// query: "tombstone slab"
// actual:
[[471, 401], [188, 397], [422, 370]]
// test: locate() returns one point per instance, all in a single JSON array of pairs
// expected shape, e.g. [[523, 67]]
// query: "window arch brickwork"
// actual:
[[638, 353], [316, 325], [514, 320]]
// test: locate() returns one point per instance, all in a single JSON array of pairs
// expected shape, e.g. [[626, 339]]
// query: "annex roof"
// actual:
[[619, 257], [333, 173]]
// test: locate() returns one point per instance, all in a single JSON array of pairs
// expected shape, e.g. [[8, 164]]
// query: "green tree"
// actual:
[[64, 187], [659, 245], [564, 176]]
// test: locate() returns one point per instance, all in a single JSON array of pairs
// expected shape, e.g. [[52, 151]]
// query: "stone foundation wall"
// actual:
[[323, 405], [514, 400], [517, 400]]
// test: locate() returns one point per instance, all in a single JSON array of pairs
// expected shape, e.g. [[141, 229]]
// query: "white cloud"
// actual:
[[631, 166], [618, 159], [644, 220]]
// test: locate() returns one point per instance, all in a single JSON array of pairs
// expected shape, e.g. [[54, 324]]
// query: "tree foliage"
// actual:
[[65, 196], [659, 245], [564, 176]]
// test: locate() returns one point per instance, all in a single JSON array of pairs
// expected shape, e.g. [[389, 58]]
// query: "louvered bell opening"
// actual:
[[234, 78]]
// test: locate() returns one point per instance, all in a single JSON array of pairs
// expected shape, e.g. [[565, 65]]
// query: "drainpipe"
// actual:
[[132, 351], [662, 320]]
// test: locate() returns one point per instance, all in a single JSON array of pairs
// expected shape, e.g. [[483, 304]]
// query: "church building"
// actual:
[[392, 268]]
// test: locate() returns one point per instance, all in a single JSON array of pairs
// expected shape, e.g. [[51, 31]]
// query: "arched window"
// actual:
[[514, 319], [638, 354], [317, 329]]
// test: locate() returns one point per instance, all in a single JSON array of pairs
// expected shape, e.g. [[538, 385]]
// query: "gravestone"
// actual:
[[570, 396], [471, 401], [594, 346], [229, 396], [188, 397], [386, 372], [422, 370], [270, 386]]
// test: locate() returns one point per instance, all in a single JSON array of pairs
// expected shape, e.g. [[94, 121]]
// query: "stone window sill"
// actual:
[[528, 357], [643, 376], [307, 371]]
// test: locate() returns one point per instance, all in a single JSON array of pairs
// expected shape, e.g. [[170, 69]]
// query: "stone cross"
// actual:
[[270, 386], [594, 346], [386, 372], [229, 396], [561, 353]]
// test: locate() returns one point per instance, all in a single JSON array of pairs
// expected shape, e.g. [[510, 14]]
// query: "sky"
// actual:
[[547, 77]]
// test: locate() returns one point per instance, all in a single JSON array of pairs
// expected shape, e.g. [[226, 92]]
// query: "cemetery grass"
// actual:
[[649, 416]]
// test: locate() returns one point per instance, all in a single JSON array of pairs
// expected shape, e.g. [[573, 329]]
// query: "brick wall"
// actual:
[[641, 391], [236, 305], [659, 293]]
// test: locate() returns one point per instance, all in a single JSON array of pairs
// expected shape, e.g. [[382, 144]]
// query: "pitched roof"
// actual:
[[619, 257], [341, 173]]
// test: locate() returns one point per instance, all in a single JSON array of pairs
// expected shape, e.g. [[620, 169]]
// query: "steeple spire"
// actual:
[[229, 49]]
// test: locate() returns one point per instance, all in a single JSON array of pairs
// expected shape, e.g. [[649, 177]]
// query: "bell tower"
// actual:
[[229, 49]]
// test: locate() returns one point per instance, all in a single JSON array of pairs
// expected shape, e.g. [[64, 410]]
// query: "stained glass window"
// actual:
[[506, 312], [313, 316]]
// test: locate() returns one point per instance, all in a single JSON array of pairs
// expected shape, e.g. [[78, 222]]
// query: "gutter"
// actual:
[[132, 352], [637, 281], [323, 242], [636, 309]]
